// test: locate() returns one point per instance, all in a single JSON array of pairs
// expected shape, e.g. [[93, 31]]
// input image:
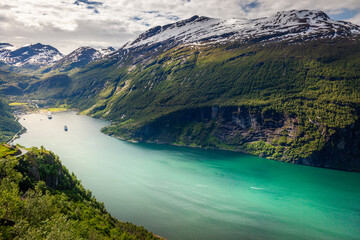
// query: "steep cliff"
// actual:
[[256, 130]]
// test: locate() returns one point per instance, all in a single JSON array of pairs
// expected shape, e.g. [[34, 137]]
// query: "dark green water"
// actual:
[[185, 193]]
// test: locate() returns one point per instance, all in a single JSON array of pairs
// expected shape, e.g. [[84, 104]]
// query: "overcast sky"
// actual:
[[68, 24]]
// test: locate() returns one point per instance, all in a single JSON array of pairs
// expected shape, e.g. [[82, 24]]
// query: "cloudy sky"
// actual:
[[68, 24]]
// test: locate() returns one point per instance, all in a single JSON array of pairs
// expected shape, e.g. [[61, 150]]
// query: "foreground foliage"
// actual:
[[40, 199]]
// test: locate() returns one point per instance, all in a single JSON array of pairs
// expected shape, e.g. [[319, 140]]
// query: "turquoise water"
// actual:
[[185, 193]]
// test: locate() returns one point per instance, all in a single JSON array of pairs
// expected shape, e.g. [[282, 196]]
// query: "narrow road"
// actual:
[[15, 136], [23, 152]]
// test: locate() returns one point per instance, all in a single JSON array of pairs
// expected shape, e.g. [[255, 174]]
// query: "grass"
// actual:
[[17, 104], [59, 109], [6, 150]]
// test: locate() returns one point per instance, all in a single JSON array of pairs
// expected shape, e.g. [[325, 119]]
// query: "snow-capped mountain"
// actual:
[[105, 51], [5, 48], [29, 55], [80, 57], [286, 25], [84, 55]]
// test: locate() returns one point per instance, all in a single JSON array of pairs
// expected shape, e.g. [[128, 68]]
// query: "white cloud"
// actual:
[[355, 19], [66, 25]]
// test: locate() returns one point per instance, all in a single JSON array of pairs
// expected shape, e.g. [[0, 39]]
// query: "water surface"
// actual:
[[185, 193]]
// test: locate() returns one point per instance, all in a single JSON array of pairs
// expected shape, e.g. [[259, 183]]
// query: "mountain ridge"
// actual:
[[280, 26], [39, 55], [79, 58], [28, 55]]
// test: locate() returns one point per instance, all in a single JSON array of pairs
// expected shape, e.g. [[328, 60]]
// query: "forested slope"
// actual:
[[286, 102], [8, 125], [40, 199]]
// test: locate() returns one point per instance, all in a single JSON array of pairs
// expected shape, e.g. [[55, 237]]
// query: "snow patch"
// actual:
[[285, 25]]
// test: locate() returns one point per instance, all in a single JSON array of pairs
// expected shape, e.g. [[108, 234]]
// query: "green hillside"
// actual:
[[13, 81], [8, 126], [291, 102], [40, 199]]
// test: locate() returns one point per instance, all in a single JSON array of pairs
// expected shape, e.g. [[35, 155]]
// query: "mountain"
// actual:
[[12, 81], [34, 55], [286, 87], [5, 48], [79, 58], [290, 26]]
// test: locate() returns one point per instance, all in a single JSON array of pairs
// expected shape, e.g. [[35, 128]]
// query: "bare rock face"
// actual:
[[342, 151], [239, 126]]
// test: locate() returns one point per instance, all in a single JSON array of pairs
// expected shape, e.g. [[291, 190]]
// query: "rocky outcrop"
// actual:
[[251, 124], [43, 166], [342, 151], [242, 128]]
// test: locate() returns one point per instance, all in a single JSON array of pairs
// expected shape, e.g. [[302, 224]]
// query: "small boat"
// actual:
[[65, 128], [49, 115]]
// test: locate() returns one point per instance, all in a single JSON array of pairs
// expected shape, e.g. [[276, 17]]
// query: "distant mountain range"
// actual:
[[291, 26], [29, 55], [285, 87], [79, 58], [39, 55]]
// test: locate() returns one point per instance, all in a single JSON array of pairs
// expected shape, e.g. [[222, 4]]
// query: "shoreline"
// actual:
[[37, 111], [43, 111], [223, 149]]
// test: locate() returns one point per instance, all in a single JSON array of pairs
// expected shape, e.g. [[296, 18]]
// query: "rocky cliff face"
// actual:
[[342, 151], [263, 132], [46, 167], [231, 123]]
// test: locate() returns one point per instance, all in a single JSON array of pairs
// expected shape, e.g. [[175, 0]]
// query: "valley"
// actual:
[[284, 87], [154, 117]]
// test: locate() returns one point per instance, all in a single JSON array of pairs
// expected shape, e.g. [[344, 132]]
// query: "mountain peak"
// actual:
[[283, 26], [33, 54], [80, 57], [155, 31], [301, 14]]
